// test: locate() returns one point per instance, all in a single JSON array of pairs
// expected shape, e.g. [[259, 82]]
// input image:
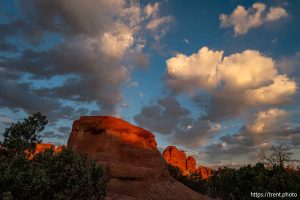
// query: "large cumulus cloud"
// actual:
[[94, 38], [235, 82], [223, 87], [74, 55]]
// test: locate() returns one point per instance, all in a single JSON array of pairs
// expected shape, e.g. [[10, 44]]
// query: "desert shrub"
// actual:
[[65, 175], [192, 180], [228, 183]]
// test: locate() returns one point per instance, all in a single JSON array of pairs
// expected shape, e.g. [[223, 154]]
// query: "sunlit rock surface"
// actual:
[[136, 168], [205, 171], [177, 158], [191, 164], [41, 147]]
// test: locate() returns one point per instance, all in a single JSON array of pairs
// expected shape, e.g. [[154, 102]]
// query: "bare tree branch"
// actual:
[[280, 155]]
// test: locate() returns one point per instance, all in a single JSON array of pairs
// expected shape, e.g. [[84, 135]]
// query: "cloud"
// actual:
[[5, 120], [248, 69], [289, 64], [242, 19], [262, 129], [83, 58], [196, 134], [13, 95], [275, 14], [278, 92], [117, 42], [89, 59], [154, 24], [163, 117], [235, 82], [217, 151], [296, 139], [134, 84], [77, 17], [186, 41], [151, 10], [187, 73], [266, 121], [168, 117]]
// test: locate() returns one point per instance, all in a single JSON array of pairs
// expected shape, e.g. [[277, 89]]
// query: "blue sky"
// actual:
[[219, 79]]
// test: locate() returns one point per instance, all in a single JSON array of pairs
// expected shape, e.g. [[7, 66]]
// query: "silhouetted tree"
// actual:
[[280, 155], [234, 184], [23, 136], [49, 175]]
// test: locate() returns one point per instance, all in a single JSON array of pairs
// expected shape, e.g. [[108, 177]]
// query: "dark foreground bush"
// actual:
[[228, 183], [64, 175], [192, 180]]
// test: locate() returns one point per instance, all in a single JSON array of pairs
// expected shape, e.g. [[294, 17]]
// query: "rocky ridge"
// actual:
[[136, 168], [178, 158]]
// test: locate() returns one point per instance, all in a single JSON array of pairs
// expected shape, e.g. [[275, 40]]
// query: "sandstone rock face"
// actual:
[[177, 158], [205, 172], [41, 147], [191, 164], [136, 168]]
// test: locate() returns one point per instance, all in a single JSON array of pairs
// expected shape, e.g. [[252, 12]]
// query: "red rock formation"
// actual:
[[191, 164], [177, 158], [205, 172], [136, 168], [41, 147], [59, 148]]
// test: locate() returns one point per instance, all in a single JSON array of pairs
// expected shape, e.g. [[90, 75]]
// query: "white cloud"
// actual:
[[151, 9], [235, 82], [276, 13], [156, 23], [266, 120], [194, 71], [280, 91], [248, 69], [117, 42], [242, 19]]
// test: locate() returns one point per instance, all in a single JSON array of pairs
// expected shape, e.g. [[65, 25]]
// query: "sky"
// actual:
[[218, 79]]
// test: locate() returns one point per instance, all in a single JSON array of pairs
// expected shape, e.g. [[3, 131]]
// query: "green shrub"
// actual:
[[65, 175]]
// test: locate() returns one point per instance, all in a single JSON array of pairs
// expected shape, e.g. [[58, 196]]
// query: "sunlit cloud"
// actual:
[[242, 19]]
